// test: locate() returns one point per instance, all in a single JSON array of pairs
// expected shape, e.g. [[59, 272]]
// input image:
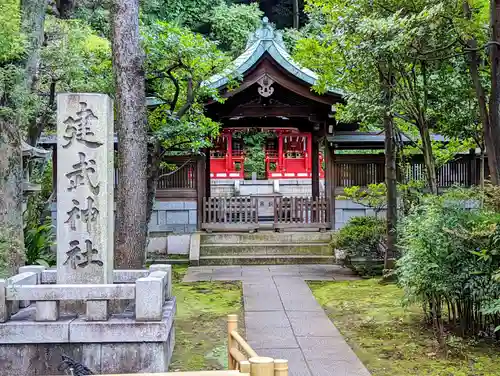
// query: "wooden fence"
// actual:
[[241, 213], [364, 169], [300, 212], [179, 180], [242, 359], [230, 213]]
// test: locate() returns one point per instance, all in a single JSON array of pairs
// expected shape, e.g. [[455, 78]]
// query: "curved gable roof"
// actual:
[[265, 39]]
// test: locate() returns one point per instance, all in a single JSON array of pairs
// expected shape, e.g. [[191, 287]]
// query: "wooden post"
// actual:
[[208, 191], [330, 184], [245, 366], [200, 191], [315, 166], [261, 366], [232, 324], [472, 168], [280, 367], [279, 167]]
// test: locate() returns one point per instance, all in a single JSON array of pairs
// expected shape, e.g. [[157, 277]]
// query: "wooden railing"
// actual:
[[230, 213], [243, 358], [300, 212], [364, 169], [242, 213]]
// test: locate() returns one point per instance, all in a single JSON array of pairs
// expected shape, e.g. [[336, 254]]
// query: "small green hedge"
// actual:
[[362, 240]]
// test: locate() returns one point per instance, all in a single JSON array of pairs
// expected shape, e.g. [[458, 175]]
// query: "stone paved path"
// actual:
[[284, 320]]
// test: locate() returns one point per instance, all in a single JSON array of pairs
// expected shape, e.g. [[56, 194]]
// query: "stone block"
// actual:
[[173, 205], [157, 245], [23, 332], [189, 229], [49, 276], [178, 244], [150, 295], [190, 205], [128, 276], [38, 269], [193, 217], [4, 306], [123, 329], [135, 357], [47, 310], [85, 187], [194, 250], [72, 292], [168, 277], [97, 310], [21, 279], [178, 217]]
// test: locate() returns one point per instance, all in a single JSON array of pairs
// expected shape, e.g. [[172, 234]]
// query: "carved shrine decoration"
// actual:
[[265, 88]]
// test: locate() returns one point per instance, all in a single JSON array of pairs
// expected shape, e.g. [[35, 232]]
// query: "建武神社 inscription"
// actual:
[[85, 188]]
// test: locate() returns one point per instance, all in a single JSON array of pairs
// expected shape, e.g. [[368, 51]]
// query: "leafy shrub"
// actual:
[[39, 242], [11, 251], [362, 238], [449, 262]]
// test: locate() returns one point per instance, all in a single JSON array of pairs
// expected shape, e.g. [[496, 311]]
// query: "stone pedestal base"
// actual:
[[119, 345]]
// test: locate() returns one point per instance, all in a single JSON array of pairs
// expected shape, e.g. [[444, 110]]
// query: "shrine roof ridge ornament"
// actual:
[[265, 39]]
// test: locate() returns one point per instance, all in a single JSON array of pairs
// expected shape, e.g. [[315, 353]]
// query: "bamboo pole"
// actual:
[[280, 367], [261, 366], [232, 325], [244, 345], [245, 366]]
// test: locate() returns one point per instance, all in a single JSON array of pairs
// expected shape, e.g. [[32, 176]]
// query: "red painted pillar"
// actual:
[[280, 153], [229, 153], [308, 153]]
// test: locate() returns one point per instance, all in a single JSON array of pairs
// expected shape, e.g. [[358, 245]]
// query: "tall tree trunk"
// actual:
[[296, 14], [154, 167], [429, 162], [131, 201], [390, 169], [11, 197], [32, 21], [494, 150]]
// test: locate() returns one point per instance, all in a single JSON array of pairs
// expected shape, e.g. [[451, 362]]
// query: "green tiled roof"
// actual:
[[265, 39]]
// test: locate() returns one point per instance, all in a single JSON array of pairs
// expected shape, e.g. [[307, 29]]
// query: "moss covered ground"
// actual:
[[200, 323], [391, 340]]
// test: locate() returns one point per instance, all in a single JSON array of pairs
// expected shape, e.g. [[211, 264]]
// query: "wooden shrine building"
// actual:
[[275, 94]]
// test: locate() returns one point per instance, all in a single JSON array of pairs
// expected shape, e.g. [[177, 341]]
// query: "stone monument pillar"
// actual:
[[85, 184]]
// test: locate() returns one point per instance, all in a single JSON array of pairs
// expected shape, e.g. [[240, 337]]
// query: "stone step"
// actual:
[[266, 237], [266, 260], [320, 249]]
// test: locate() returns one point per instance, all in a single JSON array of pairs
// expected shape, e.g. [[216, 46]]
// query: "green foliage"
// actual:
[[75, 57], [449, 261], [13, 95], [178, 61], [391, 340], [231, 25], [255, 157], [373, 196], [362, 239], [364, 43], [11, 249], [39, 242], [11, 40]]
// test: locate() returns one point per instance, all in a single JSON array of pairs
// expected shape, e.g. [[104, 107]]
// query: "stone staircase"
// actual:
[[265, 248]]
